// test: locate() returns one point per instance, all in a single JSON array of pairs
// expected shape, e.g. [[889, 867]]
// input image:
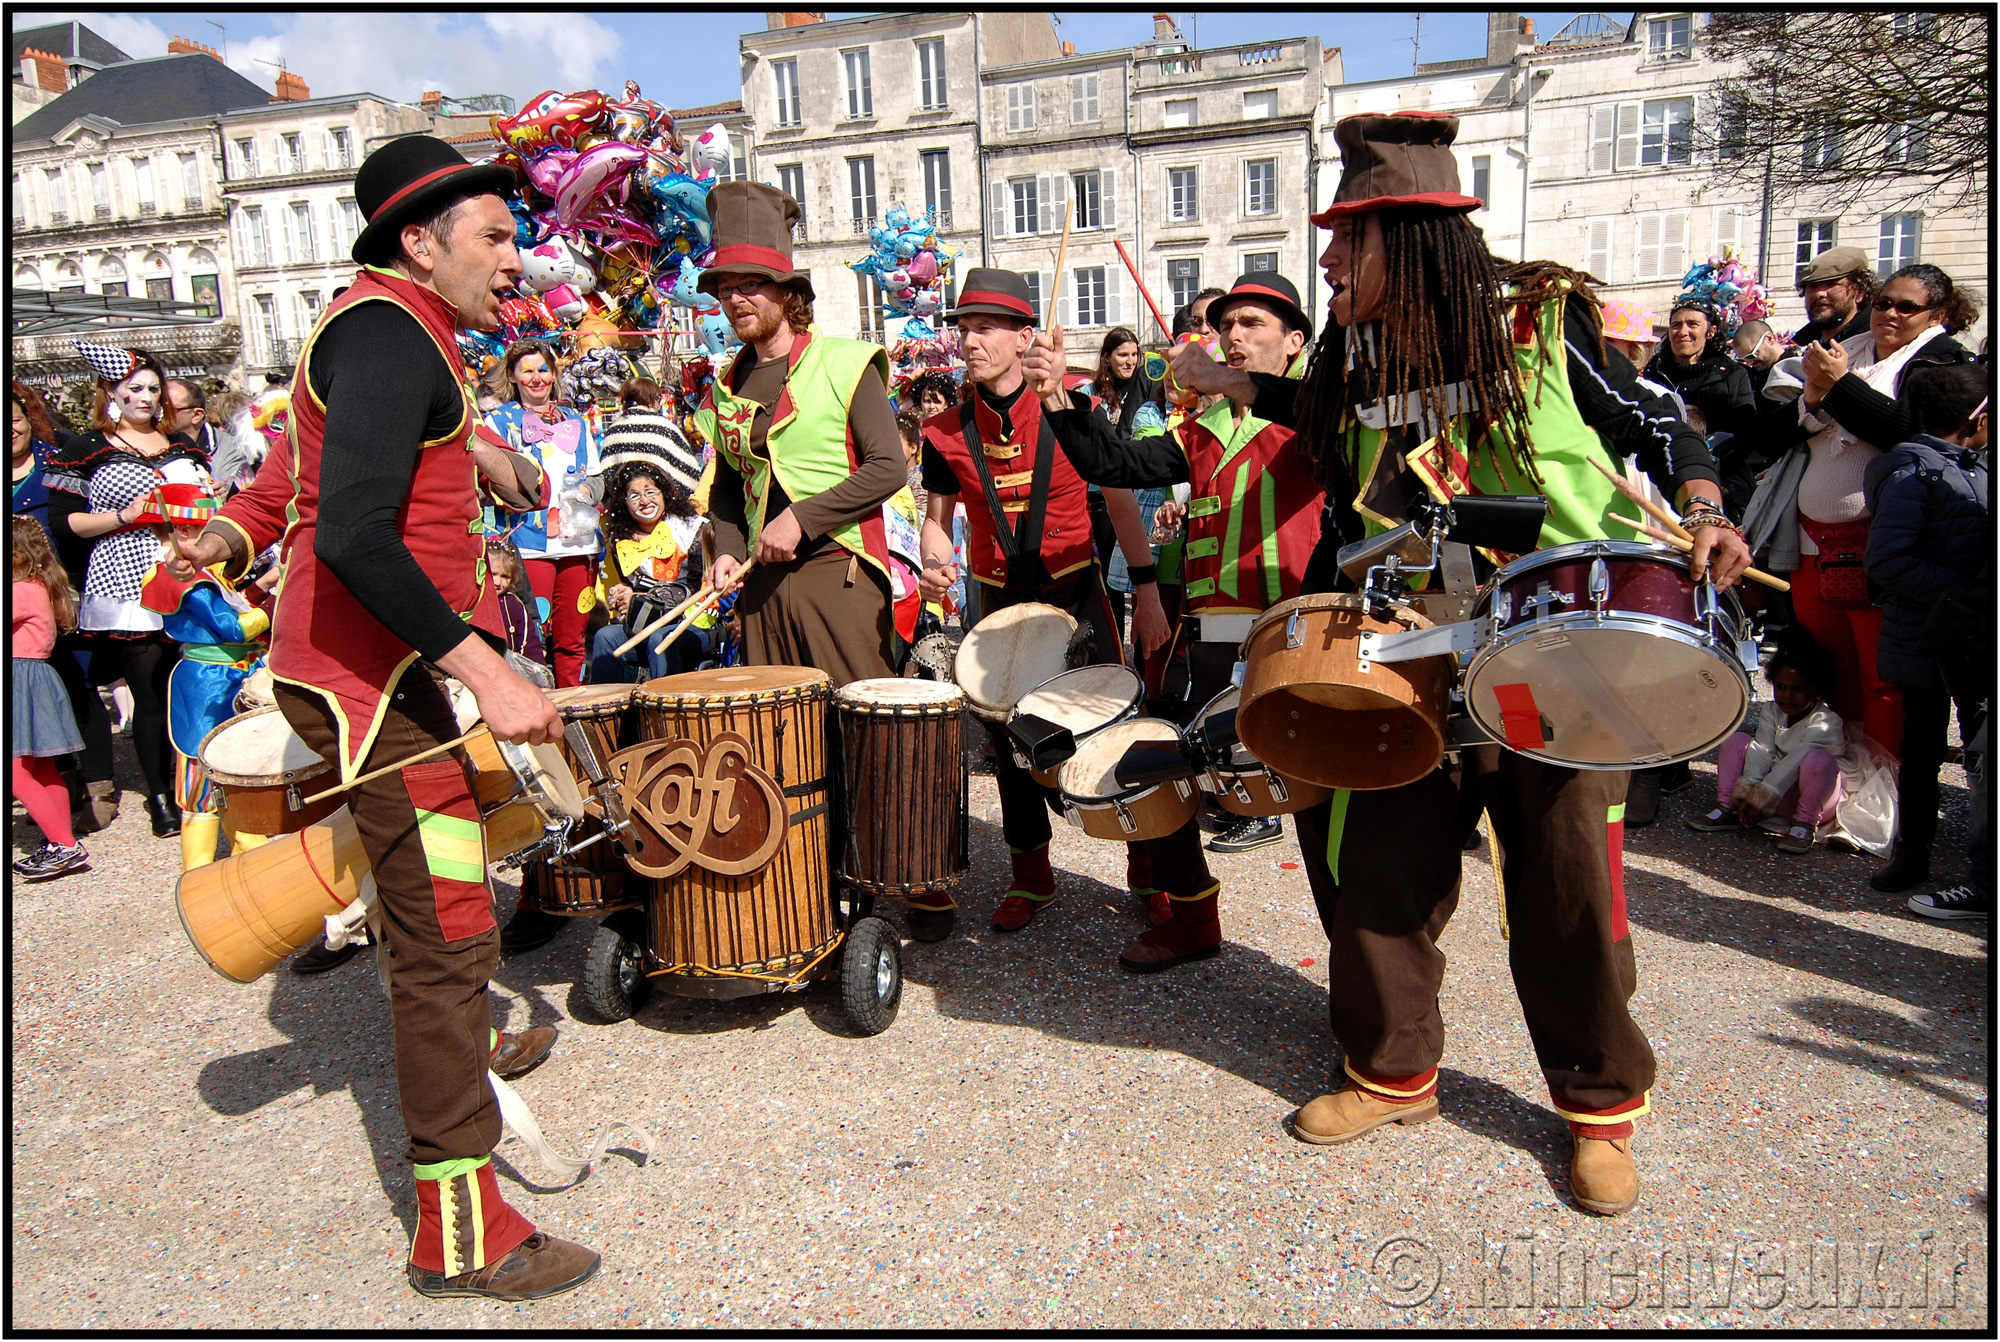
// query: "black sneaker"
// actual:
[[317, 959], [1961, 901], [1252, 831], [50, 861]]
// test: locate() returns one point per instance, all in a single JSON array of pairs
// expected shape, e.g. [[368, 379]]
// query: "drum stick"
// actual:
[[1756, 575], [702, 603], [661, 622], [1650, 508], [373, 774]]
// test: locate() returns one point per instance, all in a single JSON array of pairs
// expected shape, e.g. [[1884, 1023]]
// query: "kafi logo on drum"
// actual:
[[708, 806], [1928, 1275]]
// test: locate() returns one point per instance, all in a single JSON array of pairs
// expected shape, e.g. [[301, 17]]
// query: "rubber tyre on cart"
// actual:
[[871, 976], [614, 978]]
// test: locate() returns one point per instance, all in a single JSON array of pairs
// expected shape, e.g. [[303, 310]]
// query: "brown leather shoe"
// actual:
[[540, 1266], [517, 1054], [1353, 1112], [1602, 1175]]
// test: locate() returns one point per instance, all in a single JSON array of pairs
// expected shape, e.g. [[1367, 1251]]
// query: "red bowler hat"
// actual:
[[1389, 159]]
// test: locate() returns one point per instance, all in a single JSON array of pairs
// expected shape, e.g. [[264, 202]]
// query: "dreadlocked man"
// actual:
[[1440, 374]]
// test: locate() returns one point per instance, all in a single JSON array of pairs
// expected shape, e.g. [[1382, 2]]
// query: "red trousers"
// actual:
[[560, 582], [1850, 635]]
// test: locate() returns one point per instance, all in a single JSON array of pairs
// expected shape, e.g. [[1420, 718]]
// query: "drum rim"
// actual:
[[511, 751], [571, 697], [1132, 705], [1097, 739], [1598, 548], [226, 779], [1002, 619], [808, 678], [1328, 601], [948, 695]]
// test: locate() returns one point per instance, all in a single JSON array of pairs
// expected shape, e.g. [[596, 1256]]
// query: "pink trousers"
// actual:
[[1809, 801]]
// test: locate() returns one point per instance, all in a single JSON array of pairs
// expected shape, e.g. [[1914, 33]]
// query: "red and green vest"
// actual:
[[1066, 544], [1253, 515], [322, 639], [810, 445], [1562, 447]]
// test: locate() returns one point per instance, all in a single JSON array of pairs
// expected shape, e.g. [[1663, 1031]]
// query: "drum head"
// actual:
[[464, 704], [590, 701], [890, 691], [1619, 693], [258, 749], [546, 776], [1086, 698], [1010, 652], [728, 682], [1092, 773]]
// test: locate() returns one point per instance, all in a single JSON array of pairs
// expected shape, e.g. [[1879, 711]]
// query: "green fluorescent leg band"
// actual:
[[1336, 826]]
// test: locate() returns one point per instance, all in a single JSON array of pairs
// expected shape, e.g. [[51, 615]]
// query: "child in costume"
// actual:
[[652, 563], [44, 725], [222, 638]]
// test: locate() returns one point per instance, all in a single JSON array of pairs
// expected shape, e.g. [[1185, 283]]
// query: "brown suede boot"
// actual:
[[1194, 932], [1353, 1112], [1602, 1175]]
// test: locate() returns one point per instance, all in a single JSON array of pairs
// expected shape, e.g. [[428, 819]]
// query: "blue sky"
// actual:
[[400, 53]]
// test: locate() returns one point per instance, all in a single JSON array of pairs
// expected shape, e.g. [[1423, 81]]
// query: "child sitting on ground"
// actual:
[[1787, 769]]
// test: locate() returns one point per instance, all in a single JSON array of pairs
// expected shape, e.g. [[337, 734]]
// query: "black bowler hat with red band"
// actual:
[[993, 293], [1266, 289], [410, 179]]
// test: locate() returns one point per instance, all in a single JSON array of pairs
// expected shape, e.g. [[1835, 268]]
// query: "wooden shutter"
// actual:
[[1603, 136], [1002, 207], [1107, 194], [1728, 227], [1114, 294], [1597, 252], [1673, 245], [1647, 252], [1628, 136], [1065, 292]]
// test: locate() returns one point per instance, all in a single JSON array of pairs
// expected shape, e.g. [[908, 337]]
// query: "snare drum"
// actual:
[[1608, 655], [902, 745], [1246, 785], [1086, 700], [1009, 653], [1313, 710], [594, 880], [264, 771], [1096, 803], [726, 936]]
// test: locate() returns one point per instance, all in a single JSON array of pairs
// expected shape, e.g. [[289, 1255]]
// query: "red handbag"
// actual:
[[1843, 550]]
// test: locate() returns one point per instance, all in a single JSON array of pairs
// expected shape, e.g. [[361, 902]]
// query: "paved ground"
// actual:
[[1041, 1140]]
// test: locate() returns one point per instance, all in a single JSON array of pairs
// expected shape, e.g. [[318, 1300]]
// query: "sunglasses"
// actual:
[[1902, 307]]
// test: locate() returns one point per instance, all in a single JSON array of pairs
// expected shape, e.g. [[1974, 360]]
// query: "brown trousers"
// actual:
[[1560, 832], [830, 611], [437, 983]]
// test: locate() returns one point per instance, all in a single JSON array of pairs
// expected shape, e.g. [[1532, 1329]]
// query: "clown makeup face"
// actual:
[[645, 501], [535, 380], [138, 397], [1355, 268]]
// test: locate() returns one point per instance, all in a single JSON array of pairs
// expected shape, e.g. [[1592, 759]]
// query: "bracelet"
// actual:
[[1709, 518], [1143, 573]]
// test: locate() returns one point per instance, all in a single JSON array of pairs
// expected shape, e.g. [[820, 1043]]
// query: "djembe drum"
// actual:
[[902, 746]]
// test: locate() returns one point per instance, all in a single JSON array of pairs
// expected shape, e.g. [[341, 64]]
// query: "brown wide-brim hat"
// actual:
[[412, 178], [1389, 159], [751, 226], [993, 293]]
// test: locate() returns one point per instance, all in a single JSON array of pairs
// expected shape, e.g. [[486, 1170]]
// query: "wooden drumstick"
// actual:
[[673, 614], [709, 602], [373, 774], [1651, 509], [1756, 575]]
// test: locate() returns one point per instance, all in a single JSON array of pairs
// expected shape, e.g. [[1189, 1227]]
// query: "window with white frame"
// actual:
[[1088, 302], [936, 164], [1020, 108], [304, 233], [1183, 197], [1906, 142], [347, 220], [1084, 104], [1732, 125], [1660, 251], [1666, 132], [1260, 104], [271, 334], [1907, 25], [1897, 241], [1033, 280], [58, 195], [792, 180], [1178, 113], [861, 192], [311, 304], [1728, 227], [246, 157], [868, 292], [738, 168], [1482, 178], [1087, 190], [20, 199], [292, 152], [931, 94], [250, 232], [785, 83], [1260, 186], [1670, 38], [100, 190], [190, 182], [1183, 280], [142, 182], [1026, 192], [1260, 263], [1815, 236], [1823, 147], [1597, 248], [339, 148], [860, 94]]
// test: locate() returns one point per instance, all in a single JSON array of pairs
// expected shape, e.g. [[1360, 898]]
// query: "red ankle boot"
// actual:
[[1034, 885], [1194, 932]]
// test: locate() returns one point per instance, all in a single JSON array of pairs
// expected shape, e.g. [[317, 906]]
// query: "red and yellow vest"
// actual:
[[1066, 544], [1253, 516], [810, 445], [321, 637]]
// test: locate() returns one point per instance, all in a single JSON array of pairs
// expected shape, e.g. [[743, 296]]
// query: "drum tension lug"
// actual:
[[1242, 792], [1293, 638], [293, 802], [1279, 792], [1125, 820]]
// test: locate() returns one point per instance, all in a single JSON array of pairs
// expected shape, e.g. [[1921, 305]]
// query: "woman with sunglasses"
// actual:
[[1811, 509]]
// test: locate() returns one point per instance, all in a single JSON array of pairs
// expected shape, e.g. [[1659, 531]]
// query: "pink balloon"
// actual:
[[923, 267]]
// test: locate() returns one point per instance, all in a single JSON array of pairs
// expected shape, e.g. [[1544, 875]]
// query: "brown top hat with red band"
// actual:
[[1389, 159], [1268, 290], [993, 293], [410, 179], [753, 235]]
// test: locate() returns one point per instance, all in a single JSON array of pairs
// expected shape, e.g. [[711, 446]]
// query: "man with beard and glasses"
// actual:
[[806, 452]]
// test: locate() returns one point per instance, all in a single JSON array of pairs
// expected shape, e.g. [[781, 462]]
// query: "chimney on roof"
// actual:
[[291, 89], [1527, 30], [1165, 29], [1069, 48], [181, 46], [796, 18], [44, 70], [1503, 37], [432, 101]]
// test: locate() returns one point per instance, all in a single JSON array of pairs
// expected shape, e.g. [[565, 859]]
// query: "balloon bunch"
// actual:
[[1727, 286], [914, 355], [910, 261]]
